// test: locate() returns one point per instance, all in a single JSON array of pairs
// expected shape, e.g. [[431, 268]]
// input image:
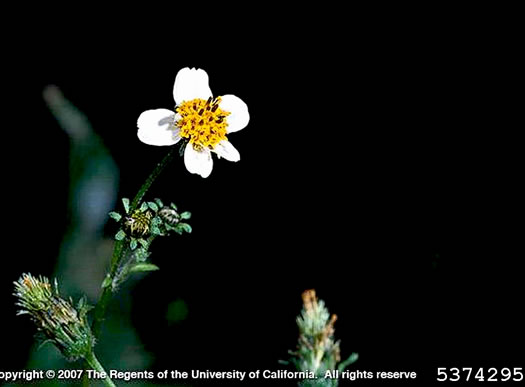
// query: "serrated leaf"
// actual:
[[133, 244], [172, 205], [142, 267], [115, 215], [120, 235], [144, 243], [184, 227], [107, 282], [125, 202], [153, 206], [159, 202], [185, 215]]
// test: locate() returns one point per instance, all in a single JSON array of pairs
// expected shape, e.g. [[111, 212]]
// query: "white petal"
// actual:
[[191, 84], [239, 117], [226, 150], [156, 127], [198, 161]]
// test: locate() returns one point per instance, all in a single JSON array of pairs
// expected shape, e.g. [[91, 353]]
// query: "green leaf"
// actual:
[[184, 227], [155, 230], [107, 282], [125, 202], [159, 202], [141, 254], [133, 244], [144, 207], [156, 221], [83, 307], [120, 235], [153, 206], [172, 205], [115, 215], [351, 359], [144, 243], [141, 267], [81, 302], [185, 215]]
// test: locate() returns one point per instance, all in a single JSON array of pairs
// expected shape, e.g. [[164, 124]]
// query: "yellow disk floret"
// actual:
[[202, 122]]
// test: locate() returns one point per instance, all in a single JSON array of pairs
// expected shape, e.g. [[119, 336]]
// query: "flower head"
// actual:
[[317, 350], [199, 119], [55, 317]]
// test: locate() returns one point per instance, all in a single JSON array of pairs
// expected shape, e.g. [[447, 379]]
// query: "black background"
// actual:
[[377, 168]]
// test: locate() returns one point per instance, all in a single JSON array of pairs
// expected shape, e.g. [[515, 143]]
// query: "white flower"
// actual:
[[200, 119]]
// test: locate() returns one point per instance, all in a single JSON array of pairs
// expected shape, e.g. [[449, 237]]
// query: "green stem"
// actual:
[[100, 309], [120, 248], [94, 363], [85, 379], [149, 181]]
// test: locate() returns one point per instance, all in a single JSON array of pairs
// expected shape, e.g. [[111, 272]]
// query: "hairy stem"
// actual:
[[100, 309], [94, 363], [120, 248]]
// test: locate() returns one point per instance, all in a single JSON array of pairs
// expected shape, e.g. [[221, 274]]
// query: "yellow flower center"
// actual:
[[202, 122]]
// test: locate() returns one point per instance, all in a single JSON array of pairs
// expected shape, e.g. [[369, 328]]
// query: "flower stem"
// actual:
[[120, 247], [151, 178], [94, 363], [100, 309]]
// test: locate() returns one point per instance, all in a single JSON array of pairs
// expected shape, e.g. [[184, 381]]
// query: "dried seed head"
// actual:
[[55, 317]]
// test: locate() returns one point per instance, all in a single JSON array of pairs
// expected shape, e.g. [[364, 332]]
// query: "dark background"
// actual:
[[378, 168]]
